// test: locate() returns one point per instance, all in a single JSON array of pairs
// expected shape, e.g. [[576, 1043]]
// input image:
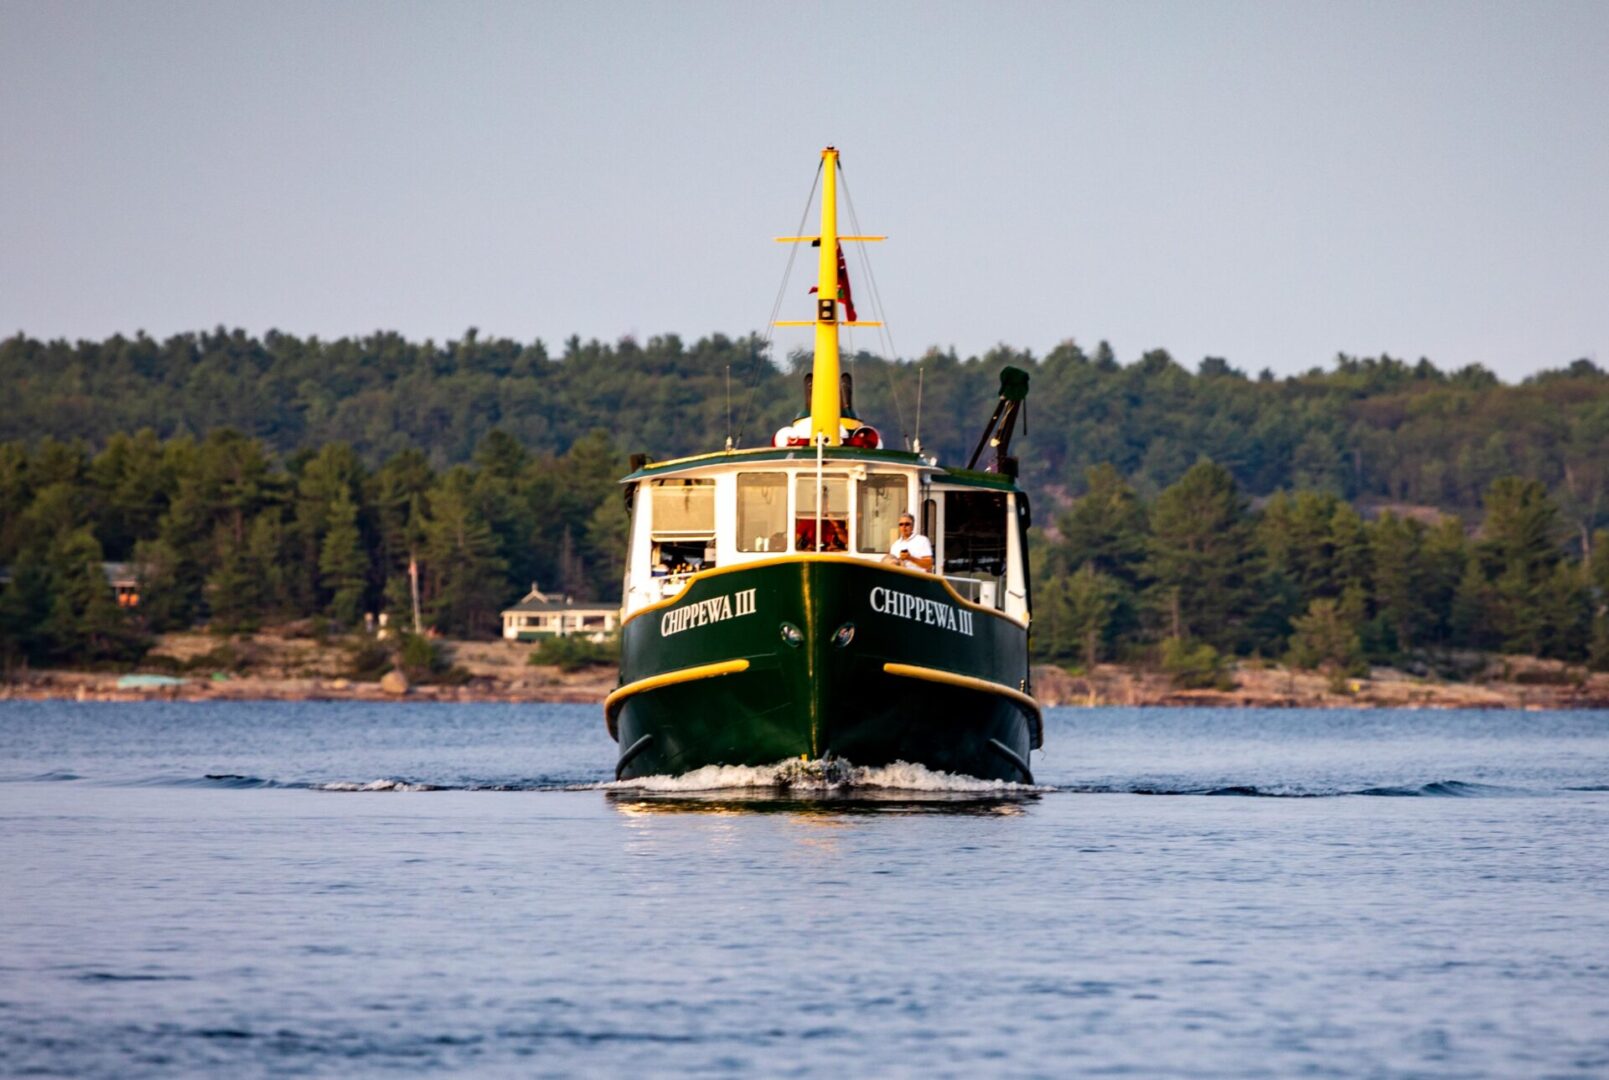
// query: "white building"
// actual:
[[540, 615]]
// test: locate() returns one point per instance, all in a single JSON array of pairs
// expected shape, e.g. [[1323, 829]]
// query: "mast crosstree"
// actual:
[[825, 417]]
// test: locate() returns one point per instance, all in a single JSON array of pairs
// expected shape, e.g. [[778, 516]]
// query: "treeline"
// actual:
[[1371, 430], [221, 532], [1196, 575], [1193, 515]]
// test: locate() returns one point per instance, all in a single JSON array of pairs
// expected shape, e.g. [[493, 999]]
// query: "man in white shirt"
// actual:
[[912, 549]]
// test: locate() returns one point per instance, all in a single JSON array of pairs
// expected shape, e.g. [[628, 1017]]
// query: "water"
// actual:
[[311, 889]]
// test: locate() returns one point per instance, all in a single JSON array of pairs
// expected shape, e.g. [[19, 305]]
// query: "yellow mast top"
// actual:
[[825, 418], [824, 395]]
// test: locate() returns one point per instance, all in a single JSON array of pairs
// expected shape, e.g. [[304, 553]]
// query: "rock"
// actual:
[[394, 682]]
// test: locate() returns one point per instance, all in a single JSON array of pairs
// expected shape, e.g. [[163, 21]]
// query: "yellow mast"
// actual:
[[824, 397], [825, 401]]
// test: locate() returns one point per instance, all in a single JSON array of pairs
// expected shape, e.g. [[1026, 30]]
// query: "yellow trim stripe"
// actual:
[[612, 703], [811, 556], [950, 678]]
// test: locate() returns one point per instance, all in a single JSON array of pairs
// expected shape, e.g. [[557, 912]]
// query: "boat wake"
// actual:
[[806, 777], [839, 781], [1444, 789], [384, 783], [377, 785]]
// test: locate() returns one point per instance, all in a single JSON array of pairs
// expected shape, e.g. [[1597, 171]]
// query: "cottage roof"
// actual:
[[537, 600]]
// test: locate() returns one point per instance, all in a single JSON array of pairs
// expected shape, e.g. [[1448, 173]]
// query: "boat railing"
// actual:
[[983, 591], [969, 588], [671, 584]]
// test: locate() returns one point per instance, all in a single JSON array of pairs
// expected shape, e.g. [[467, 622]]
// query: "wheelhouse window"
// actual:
[[683, 526], [975, 532], [762, 512], [832, 496], [880, 502]]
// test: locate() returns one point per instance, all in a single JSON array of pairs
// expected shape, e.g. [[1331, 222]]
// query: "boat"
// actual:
[[763, 621]]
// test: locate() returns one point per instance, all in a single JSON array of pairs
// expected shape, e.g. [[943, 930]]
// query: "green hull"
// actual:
[[791, 658]]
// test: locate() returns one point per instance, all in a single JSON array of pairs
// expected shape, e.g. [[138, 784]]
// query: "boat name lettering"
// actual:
[[715, 609], [886, 601]]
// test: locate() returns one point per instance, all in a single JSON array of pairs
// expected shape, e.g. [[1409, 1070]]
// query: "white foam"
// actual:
[[836, 775], [375, 785]]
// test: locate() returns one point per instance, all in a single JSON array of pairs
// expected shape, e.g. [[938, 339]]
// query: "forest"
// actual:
[[1374, 511]]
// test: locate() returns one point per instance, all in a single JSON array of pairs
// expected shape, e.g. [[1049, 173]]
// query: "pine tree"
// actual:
[[1202, 560], [233, 589], [1326, 638], [178, 556], [1566, 614], [572, 575], [25, 603], [328, 477], [499, 500], [1473, 618], [1046, 638], [1521, 530], [1349, 547], [342, 563], [16, 493], [1105, 527], [1316, 541], [165, 603], [1399, 576], [468, 586], [131, 490], [604, 544], [1444, 556], [84, 621], [1518, 552], [1598, 649], [268, 549], [1091, 601], [400, 491]]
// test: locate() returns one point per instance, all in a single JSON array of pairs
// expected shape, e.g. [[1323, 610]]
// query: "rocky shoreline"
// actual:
[[267, 667], [1523, 683], [581, 688]]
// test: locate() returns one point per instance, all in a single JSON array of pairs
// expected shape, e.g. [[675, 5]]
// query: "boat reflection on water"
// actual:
[[826, 803]]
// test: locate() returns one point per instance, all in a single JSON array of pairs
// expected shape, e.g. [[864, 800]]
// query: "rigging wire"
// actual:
[[884, 332], [776, 308]]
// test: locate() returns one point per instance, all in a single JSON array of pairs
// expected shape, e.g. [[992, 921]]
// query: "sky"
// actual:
[[1271, 183]]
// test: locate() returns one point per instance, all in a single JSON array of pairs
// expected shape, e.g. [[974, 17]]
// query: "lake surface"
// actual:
[[310, 889]]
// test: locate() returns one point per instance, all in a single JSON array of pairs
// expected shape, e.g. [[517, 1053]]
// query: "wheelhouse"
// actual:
[[724, 510]]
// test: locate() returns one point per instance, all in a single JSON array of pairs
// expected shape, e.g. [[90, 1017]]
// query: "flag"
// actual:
[[843, 287]]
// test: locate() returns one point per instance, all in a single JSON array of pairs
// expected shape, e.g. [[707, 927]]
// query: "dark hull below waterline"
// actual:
[[822, 656]]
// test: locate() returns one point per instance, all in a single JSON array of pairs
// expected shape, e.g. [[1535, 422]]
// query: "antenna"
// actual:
[[729, 406], [916, 444]]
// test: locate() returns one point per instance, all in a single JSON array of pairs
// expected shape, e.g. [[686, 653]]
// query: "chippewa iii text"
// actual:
[[715, 609], [887, 601]]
